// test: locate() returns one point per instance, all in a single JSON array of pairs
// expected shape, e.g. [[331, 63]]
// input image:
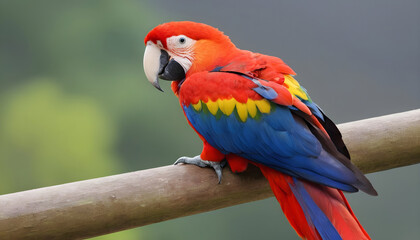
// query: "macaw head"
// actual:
[[175, 50]]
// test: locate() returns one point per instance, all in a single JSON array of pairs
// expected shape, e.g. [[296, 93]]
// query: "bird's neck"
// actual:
[[209, 55]]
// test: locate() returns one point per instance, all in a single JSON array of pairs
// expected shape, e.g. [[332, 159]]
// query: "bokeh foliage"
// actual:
[[48, 137], [70, 92]]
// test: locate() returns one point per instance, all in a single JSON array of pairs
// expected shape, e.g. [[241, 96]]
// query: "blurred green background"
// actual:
[[75, 104]]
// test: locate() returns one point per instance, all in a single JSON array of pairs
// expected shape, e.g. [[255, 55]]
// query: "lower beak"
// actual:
[[158, 64]]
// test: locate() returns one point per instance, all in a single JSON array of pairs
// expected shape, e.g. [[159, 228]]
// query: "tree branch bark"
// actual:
[[114, 203]]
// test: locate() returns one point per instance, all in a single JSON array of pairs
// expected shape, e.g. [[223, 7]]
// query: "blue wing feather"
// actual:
[[277, 139]]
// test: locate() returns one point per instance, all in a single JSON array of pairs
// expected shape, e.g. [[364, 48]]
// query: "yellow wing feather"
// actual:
[[226, 106], [294, 87]]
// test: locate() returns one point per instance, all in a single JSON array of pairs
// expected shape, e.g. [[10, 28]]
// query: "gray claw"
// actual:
[[217, 166]]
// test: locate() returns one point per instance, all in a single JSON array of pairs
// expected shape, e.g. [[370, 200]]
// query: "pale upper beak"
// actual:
[[158, 64]]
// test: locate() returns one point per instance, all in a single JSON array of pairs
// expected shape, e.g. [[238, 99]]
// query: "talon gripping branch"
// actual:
[[248, 109]]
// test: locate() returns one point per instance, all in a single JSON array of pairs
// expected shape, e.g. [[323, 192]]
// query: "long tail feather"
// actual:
[[314, 211]]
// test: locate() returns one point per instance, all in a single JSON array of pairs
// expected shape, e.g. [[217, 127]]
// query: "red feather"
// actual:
[[331, 201]]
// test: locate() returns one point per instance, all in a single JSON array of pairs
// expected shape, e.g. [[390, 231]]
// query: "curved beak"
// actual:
[[157, 63]]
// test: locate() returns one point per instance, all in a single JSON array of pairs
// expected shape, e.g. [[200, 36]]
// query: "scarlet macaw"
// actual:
[[247, 108]]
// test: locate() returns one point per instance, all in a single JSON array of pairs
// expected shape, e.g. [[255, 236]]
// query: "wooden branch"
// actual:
[[104, 205]]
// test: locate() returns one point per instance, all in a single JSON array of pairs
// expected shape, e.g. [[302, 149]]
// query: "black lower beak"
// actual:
[[169, 69]]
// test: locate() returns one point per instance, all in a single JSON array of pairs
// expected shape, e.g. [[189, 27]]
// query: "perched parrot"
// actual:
[[247, 107]]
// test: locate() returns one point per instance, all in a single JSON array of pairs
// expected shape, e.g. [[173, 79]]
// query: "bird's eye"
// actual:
[[182, 40]]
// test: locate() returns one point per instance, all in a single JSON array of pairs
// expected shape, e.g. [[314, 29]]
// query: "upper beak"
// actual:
[[158, 64]]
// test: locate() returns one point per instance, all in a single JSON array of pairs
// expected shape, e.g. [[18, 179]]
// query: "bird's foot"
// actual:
[[217, 166]]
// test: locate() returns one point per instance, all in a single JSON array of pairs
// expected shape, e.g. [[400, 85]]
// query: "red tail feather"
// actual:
[[331, 202]]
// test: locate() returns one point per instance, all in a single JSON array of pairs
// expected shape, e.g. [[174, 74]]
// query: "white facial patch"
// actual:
[[180, 48]]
